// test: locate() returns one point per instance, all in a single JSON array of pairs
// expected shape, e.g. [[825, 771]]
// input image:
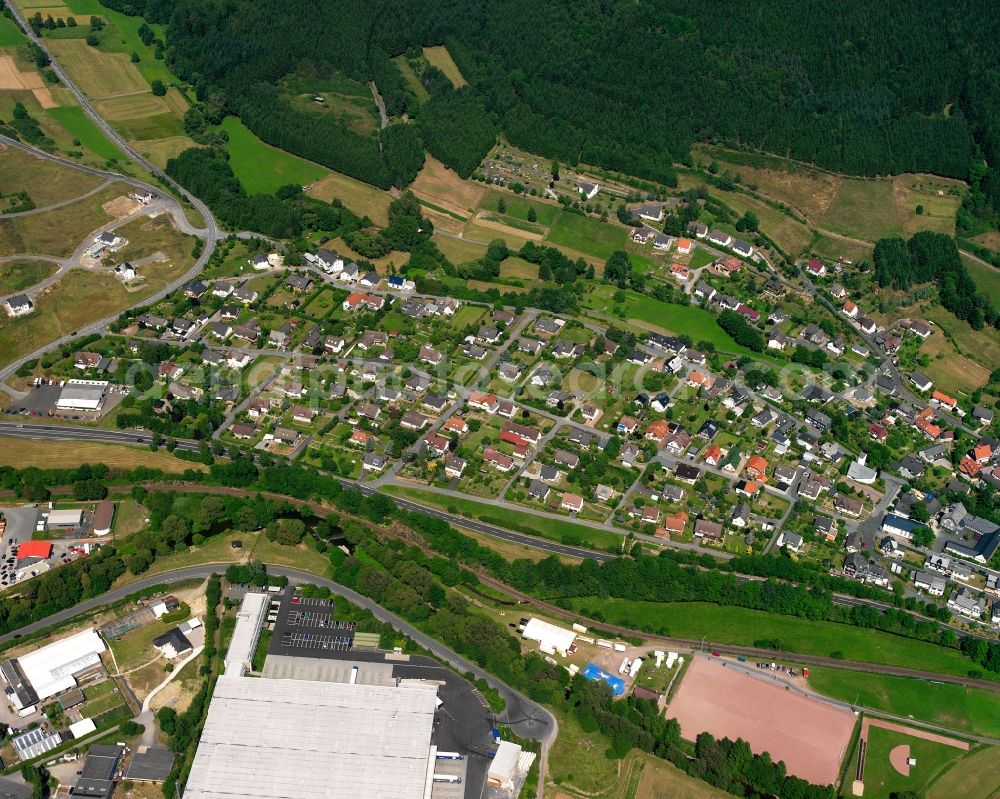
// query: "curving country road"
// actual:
[[210, 237], [210, 234]]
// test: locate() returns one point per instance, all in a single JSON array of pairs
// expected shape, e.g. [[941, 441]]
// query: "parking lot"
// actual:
[[308, 626]]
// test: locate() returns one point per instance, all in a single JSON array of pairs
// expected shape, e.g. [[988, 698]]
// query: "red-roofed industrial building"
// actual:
[[34, 549]]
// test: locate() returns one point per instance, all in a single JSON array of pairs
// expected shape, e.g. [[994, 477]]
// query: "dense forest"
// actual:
[[933, 257], [873, 89]]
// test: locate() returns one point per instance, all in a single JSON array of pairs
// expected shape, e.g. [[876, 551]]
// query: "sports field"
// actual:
[[888, 749], [261, 168], [810, 736], [975, 776]]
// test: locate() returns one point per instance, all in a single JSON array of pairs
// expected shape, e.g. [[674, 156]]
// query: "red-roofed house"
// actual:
[[673, 524], [816, 268], [757, 468], [943, 399], [877, 432], [982, 453], [968, 467], [850, 309], [571, 502], [713, 455]]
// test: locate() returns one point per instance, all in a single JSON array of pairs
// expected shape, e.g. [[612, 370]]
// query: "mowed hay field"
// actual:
[[97, 74], [60, 231], [976, 776], [262, 168], [444, 188], [141, 116], [440, 57], [23, 453], [866, 209], [987, 278], [45, 181], [362, 198], [159, 151]]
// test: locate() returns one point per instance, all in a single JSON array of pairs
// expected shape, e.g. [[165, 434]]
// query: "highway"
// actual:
[[527, 718]]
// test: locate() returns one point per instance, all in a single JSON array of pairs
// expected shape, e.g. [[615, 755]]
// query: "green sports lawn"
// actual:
[[742, 627], [261, 168], [933, 760], [587, 235], [565, 532], [971, 710]]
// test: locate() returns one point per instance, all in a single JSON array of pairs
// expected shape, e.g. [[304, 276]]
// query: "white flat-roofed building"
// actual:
[[549, 636], [65, 517], [266, 738], [82, 395], [249, 620], [51, 668]]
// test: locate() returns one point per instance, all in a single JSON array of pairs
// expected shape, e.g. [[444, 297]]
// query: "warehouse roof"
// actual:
[[248, 623], [282, 738], [150, 765], [51, 668]]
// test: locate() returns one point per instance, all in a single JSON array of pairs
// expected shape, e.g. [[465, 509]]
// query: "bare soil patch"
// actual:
[[121, 207], [442, 186], [809, 735]]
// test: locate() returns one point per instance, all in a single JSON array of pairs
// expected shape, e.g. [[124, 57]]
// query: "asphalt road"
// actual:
[[527, 718]]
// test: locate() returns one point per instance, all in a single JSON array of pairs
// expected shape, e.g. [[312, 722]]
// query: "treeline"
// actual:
[[206, 172], [61, 588], [933, 258], [793, 85], [741, 331]]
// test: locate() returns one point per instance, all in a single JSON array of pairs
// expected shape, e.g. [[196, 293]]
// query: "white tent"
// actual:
[[549, 636]]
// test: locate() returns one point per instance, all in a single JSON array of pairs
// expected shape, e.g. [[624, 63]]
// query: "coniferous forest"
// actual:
[[870, 88]]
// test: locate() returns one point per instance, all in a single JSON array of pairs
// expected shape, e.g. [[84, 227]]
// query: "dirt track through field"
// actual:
[[810, 736]]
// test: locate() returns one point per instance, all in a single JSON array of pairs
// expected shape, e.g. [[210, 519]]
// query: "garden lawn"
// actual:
[[565, 532], [261, 168], [742, 627], [651, 313], [971, 710], [589, 236]]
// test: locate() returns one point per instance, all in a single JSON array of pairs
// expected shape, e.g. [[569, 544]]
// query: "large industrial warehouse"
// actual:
[[269, 738], [52, 668], [266, 738]]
